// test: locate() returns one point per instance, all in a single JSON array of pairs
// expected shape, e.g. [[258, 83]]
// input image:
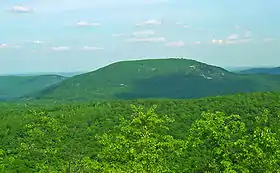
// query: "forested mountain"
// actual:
[[236, 133], [157, 78], [275, 71], [14, 87]]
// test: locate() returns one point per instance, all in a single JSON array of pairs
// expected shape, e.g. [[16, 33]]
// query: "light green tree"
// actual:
[[139, 144], [2, 160], [220, 143], [41, 143]]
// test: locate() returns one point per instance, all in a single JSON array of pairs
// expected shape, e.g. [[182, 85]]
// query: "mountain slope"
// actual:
[[275, 71], [158, 78], [12, 87]]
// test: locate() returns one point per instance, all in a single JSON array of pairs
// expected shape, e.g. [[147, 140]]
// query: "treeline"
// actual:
[[238, 133]]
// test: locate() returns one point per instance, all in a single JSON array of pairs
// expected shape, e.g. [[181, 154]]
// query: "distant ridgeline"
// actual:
[[275, 71], [14, 87], [175, 78]]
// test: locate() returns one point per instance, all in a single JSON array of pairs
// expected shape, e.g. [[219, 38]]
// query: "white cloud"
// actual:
[[182, 24], [143, 33], [145, 36], [21, 9], [268, 39], [232, 37], [118, 35], [243, 40], [237, 27], [231, 41], [91, 48], [37, 42], [214, 41], [3, 46], [60, 48], [179, 23], [82, 23], [197, 42], [235, 39], [148, 39], [176, 44], [150, 22], [15, 46], [248, 34]]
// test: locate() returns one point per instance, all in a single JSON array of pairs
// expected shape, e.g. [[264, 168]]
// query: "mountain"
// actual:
[[13, 87], [274, 70], [157, 78]]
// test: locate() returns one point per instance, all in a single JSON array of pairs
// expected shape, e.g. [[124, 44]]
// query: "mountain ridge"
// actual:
[[153, 78], [14, 87], [273, 71]]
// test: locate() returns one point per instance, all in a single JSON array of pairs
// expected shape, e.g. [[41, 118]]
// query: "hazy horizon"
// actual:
[[72, 73], [74, 36]]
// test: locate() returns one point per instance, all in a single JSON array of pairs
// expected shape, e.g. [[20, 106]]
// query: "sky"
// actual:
[[83, 35]]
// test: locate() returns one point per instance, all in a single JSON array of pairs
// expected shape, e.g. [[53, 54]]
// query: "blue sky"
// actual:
[[82, 35]]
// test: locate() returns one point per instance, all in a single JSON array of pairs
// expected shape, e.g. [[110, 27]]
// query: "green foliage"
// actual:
[[237, 133], [141, 145], [230, 147], [42, 139]]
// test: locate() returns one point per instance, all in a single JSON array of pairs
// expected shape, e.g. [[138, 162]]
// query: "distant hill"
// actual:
[[275, 71], [65, 74], [13, 87], [158, 78], [241, 68]]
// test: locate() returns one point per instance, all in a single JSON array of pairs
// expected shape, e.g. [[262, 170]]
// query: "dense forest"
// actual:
[[235, 133]]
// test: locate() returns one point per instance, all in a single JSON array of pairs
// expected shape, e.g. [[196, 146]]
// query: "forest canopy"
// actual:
[[237, 133]]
